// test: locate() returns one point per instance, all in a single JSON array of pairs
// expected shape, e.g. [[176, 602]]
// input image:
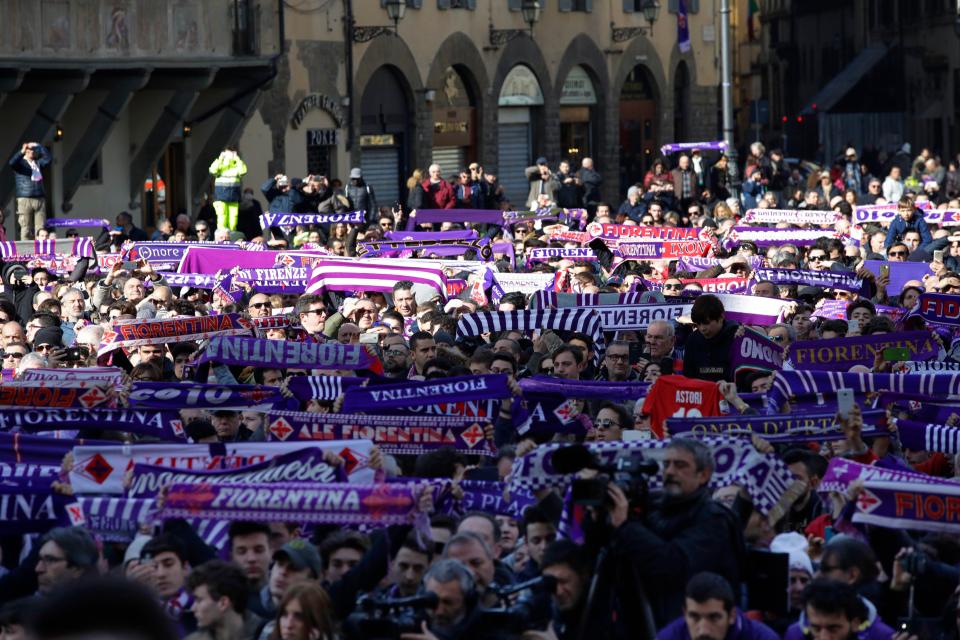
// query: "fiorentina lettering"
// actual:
[[37, 396], [26, 507], [429, 391], [921, 506], [290, 354], [287, 499], [856, 352], [175, 327], [942, 308]]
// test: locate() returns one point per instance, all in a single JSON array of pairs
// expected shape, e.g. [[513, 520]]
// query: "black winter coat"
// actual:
[[710, 359]]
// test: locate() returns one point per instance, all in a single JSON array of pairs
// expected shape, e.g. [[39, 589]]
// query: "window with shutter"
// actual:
[[693, 6], [514, 5]]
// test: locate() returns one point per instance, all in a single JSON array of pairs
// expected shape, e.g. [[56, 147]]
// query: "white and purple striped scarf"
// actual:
[[581, 320]]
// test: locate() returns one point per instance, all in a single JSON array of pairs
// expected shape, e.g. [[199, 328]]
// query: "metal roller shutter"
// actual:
[[380, 170], [450, 159], [514, 156]]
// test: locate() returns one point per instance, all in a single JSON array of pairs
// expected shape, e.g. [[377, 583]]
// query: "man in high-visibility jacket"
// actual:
[[228, 170]]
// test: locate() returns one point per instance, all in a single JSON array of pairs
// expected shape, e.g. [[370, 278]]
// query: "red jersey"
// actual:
[[680, 397]]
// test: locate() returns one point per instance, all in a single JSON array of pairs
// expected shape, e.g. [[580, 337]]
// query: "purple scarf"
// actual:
[[543, 254], [28, 508], [585, 389], [920, 436], [765, 477], [487, 496], [940, 308], [195, 395], [628, 232], [283, 354], [806, 277], [698, 263], [839, 354], [756, 352], [276, 219], [210, 258], [662, 249], [897, 499], [792, 216], [76, 222], [305, 388], [673, 147], [25, 456], [100, 467], [301, 502], [394, 434], [134, 333], [18, 251], [303, 465], [807, 384], [166, 253], [165, 425], [382, 398], [106, 375], [57, 394], [794, 428], [436, 247], [763, 237]]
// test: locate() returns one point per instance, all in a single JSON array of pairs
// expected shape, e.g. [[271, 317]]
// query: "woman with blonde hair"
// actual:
[[305, 613]]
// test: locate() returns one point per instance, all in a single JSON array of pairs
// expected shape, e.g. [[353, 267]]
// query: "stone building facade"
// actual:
[[463, 80]]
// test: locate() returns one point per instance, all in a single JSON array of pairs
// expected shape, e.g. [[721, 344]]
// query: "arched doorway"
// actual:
[[681, 103], [386, 134], [579, 121], [638, 126], [519, 108], [455, 122]]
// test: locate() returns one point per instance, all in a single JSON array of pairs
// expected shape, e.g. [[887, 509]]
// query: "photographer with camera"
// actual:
[[454, 612], [656, 552]]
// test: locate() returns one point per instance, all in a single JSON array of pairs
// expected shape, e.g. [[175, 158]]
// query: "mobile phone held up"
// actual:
[[844, 402], [896, 354]]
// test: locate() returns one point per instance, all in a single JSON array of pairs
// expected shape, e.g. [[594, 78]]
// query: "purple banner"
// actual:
[[673, 147], [382, 398], [756, 352], [76, 222], [212, 258], [305, 388], [698, 263], [284, 354], [343, 504], [900, 273], [585, 389], [839, 354]]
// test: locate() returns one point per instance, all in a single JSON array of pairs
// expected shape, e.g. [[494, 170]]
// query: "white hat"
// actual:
[[796, 546], [850, 152]]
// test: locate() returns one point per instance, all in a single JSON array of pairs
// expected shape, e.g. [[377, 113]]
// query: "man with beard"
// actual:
[[709, 614], [396, 357]]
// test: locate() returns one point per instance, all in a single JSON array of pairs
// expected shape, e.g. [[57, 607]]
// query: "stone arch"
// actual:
[[460, 52], [584, 52], [523, 50], [393, 52]]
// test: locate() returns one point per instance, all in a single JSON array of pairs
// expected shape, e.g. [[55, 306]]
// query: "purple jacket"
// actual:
[[743, 629], [872, 629]]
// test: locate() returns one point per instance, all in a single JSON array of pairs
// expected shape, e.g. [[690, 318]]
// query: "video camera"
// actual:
[[532, 611], [388, 618], [628, 471]]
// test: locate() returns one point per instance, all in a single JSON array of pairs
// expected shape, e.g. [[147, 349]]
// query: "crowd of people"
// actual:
[[679, 417]]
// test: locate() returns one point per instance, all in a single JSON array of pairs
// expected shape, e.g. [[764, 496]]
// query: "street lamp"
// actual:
[[395, 11], [530, 10], [650, 9]]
